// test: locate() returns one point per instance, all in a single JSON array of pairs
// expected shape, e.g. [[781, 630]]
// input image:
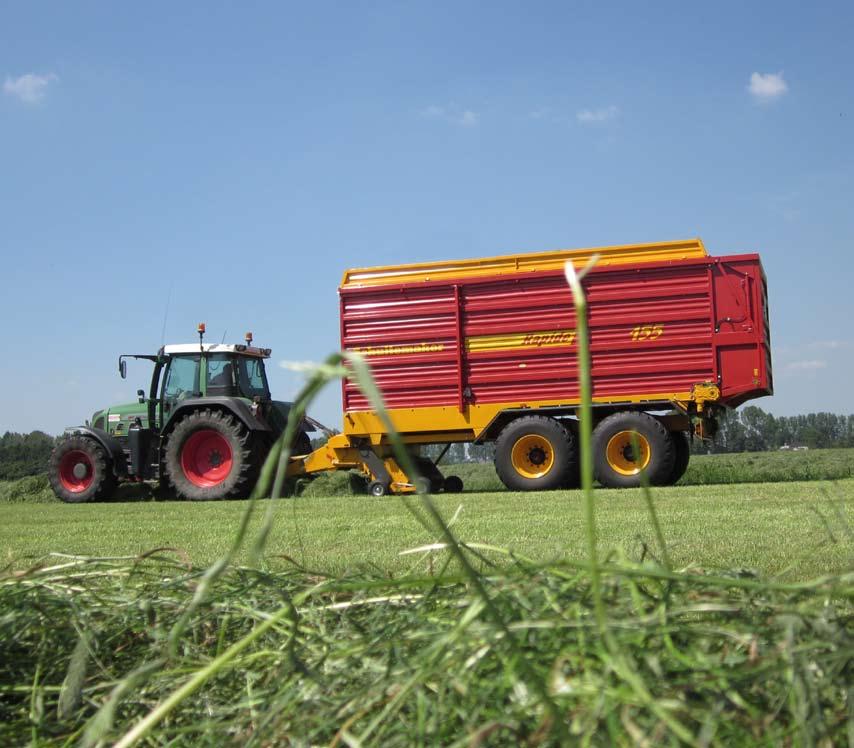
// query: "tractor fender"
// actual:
[[112, 446], [236, 407]]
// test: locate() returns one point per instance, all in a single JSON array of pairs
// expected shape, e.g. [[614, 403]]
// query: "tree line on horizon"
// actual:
[[748, 429], [751, 429]]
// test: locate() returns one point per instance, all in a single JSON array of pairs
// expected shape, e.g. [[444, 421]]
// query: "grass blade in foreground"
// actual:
[[725, 668], [613, 656]]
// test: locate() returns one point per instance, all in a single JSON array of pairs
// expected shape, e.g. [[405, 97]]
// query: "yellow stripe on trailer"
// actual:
[[540, 339], [623, 254]]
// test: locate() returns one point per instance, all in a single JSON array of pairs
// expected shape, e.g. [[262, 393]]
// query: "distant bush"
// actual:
[[24, 454]]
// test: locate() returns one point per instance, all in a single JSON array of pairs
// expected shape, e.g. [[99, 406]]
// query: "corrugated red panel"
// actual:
[[656, 328]]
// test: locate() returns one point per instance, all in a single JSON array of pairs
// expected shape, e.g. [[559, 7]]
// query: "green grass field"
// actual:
[[364, 646], [796, 530], [343, 637]]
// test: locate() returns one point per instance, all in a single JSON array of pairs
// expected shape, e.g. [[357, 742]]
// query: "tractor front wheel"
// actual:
[[209, 456], [80, 470]]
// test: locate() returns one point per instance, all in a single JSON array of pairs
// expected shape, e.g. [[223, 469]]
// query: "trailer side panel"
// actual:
[[447, 354]]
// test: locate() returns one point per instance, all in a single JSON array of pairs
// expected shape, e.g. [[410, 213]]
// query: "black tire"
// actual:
[[535, 453], [196, 449], [302, 445], [80, 470], [453, 484], [573, 473], [613, 461], [428, 470], [682, 450], [573, 480]]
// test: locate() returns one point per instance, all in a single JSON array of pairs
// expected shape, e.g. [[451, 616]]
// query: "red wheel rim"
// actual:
[[206, 458], [76, 471]]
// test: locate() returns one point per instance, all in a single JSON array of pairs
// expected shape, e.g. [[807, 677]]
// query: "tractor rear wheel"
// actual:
[[209, 456], [615, 440], [535, 453], [80, 470]]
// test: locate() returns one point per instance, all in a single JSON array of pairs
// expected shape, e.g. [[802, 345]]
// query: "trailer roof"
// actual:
[[523, 262], [244, 350]]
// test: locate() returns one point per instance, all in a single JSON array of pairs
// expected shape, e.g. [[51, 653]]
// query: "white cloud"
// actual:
[[594, 116], [833, 345], [464, 117], [809, 365], [433, 111], [765, 87], [29, 87], [468, 118]]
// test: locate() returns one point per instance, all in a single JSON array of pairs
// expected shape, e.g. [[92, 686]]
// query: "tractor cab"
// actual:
[[190, 371], [186, 372]]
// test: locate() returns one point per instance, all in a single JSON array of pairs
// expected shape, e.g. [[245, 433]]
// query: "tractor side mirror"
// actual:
[[140, 394], [123, 368]]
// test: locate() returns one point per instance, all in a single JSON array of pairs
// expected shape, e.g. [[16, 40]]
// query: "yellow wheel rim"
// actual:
[[621, 456], [532, 456]]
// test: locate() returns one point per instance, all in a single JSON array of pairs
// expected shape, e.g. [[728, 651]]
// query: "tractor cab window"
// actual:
[[252, 378], [221, 375], [182, 379]]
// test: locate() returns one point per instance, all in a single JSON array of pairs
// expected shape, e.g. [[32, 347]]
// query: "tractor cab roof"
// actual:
[[188, 348]]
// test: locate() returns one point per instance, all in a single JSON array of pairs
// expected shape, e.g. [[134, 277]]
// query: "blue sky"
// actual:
[[239, 159]]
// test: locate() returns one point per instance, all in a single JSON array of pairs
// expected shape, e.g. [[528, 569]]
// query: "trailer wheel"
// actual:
[[209, 456], [80, 470], [428, 470], [453, 484], [377, 488], [535, 453], [682, 455], [614, 460]]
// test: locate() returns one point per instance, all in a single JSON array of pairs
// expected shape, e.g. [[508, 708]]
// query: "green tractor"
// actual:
[[205, 428]]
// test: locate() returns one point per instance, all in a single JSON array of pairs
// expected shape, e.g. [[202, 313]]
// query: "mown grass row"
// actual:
[[718, 469]]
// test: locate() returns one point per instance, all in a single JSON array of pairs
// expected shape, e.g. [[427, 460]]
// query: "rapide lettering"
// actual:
[[564, 337]]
